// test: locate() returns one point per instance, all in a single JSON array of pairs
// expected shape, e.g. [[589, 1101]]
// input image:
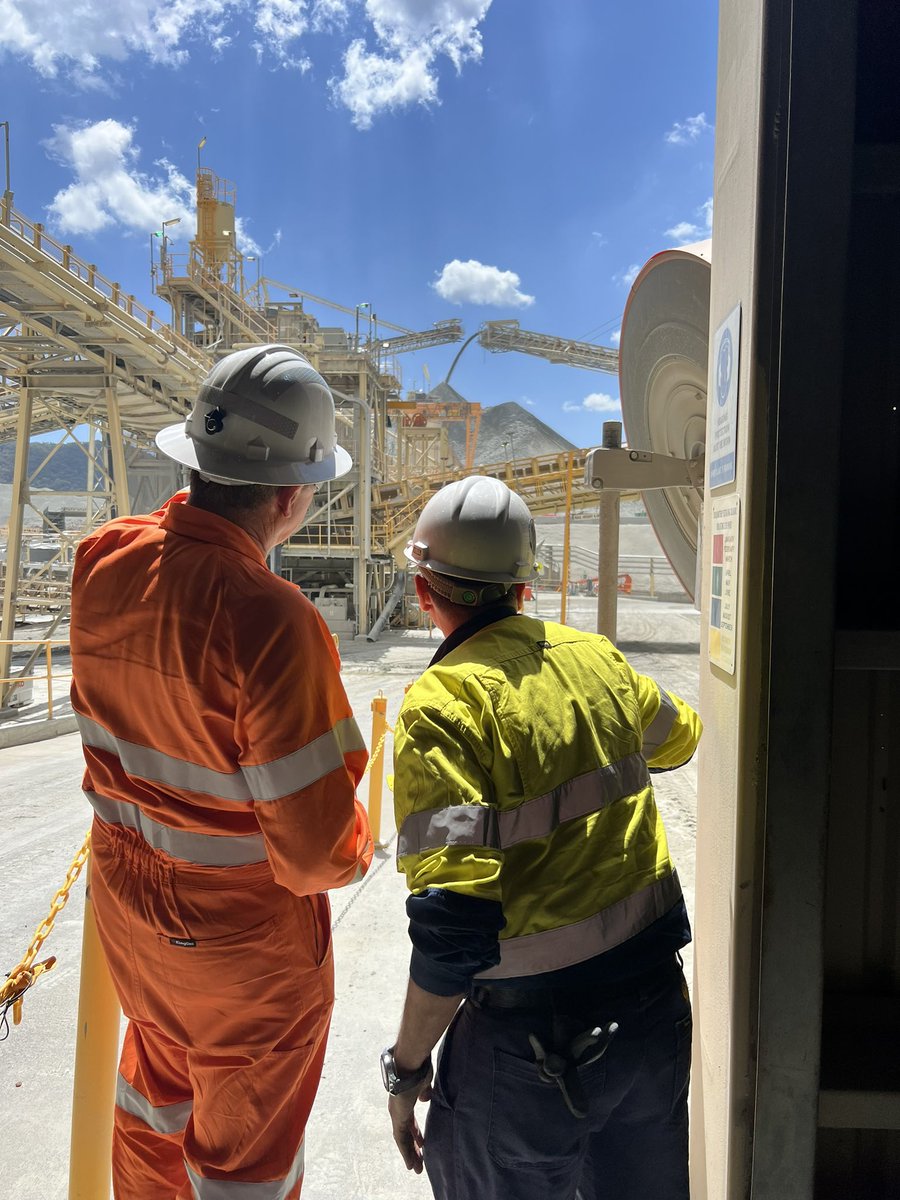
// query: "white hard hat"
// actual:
[[475, 529], [263, 415]]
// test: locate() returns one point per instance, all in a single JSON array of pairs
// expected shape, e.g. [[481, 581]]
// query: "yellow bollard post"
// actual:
[[96, 1057], [376, 764]]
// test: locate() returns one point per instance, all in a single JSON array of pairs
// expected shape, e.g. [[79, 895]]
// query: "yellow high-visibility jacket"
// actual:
[[521, 777]]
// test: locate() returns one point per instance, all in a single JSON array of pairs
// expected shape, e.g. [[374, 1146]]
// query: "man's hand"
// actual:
[[407, 1133]]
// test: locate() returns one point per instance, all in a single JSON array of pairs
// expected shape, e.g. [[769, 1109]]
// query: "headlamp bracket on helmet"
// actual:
[[215, 420]]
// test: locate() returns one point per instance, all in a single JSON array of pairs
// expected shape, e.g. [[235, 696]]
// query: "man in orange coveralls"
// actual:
[[222, 760]]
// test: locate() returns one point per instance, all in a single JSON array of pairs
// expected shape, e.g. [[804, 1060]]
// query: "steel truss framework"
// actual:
[[83, 362], [76, 352]]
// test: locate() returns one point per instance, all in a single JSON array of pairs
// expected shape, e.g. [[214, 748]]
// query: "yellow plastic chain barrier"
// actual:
[[378, 749], [21, 977]]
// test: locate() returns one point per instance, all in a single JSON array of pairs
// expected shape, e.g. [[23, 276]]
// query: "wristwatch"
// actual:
[[394, 1082]]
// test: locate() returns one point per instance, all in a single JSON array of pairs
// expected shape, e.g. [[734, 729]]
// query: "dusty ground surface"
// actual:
[[349, 1153]]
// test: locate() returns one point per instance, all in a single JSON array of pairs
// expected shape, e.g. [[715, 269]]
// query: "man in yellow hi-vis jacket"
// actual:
[[545, 914]]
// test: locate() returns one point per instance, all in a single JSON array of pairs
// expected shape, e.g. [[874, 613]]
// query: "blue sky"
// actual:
[[479, 159]]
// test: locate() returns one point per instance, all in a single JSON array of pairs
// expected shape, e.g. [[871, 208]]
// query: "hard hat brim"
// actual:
[[175, 443]]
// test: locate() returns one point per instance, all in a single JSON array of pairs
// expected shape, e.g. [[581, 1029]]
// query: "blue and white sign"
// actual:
[[723, 412]]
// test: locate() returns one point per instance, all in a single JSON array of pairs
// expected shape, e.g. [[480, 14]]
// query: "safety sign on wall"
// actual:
[[723, 411], [723, 590]]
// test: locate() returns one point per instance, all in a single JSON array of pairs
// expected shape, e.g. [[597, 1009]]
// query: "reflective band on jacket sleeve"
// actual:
[[226, 1189], [553, 949], [162, 1118], [459, 825], [478, 825], [205, 849], [145, 763], [661, 725], [300, 769]]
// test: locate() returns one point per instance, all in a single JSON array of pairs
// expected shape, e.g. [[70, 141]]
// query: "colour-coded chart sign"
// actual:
[[723, 597], [723, 409]]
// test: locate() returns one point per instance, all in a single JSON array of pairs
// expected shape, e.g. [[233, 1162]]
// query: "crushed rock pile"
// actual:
[[508, 431]]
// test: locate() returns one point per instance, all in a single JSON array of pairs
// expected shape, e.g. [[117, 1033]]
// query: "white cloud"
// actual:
[[689, 130], [600, 239], [473, 282], [410, 38], [282, 23], [246, 243], [628, 276], [595, 402], [78, 38], [109, 188], [615, 337], [394, 64], [373, 83], [691, 231]]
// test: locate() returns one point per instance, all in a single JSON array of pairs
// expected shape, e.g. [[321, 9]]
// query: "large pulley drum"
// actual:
[[663, 357]]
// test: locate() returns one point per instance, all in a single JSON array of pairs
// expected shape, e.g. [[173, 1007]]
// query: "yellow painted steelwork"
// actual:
[[567, 540], [375, 768], [96, 1054]]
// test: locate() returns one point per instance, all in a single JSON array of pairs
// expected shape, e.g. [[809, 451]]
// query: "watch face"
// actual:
[[394, 1083]]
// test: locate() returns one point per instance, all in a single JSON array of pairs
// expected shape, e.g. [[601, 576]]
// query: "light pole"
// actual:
[[258, 260], [7, 194], [365, 304], [165, 242]]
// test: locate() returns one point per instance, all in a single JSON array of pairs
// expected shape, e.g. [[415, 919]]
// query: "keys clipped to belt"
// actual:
[[562, 1069]]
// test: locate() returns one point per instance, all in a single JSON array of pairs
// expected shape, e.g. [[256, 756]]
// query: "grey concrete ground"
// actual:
[[350, 1155]]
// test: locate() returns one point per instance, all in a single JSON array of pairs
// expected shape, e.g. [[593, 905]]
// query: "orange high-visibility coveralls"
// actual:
[[222, 760]]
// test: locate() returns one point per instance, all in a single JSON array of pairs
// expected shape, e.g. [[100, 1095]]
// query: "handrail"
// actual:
[[47, 643], [87, 273]]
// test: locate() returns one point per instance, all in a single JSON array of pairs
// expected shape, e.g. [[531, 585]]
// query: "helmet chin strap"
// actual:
[[472, 595]]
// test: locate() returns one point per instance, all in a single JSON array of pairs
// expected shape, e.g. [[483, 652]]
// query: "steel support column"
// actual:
[[14, 538], [608, 553], [120, 491]]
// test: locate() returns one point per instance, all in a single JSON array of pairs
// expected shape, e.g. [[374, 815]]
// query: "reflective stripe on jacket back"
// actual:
[[521, 775], [209, 700]]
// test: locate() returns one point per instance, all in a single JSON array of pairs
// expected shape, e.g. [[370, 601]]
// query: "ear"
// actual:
[[520, 596], [286, 498], [426, 601]]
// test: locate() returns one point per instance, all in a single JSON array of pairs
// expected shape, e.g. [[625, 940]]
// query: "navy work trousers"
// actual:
[[497, 1131]]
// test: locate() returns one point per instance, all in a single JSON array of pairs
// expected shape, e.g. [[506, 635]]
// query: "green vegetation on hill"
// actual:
[[66, 471]]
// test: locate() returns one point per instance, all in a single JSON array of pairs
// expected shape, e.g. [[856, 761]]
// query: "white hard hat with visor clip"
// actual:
[[263, 415], [474, 529]]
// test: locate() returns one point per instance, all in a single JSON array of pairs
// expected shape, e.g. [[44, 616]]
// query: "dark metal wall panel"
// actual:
[[862, 901]]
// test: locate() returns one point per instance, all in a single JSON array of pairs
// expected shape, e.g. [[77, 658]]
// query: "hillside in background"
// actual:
[[66, 471]]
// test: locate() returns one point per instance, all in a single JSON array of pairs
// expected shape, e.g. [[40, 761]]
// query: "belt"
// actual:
[[571, 998]]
